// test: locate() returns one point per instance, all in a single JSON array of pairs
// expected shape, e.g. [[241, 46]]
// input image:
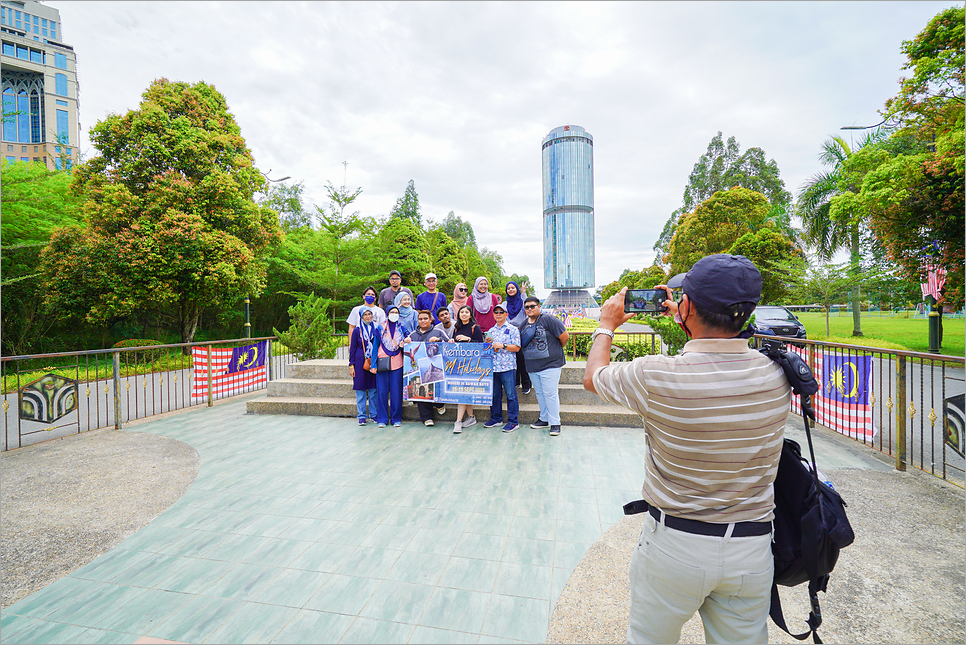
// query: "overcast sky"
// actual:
[[458, 96]]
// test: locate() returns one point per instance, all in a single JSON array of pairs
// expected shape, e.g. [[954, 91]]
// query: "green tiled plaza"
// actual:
[[316, 530]]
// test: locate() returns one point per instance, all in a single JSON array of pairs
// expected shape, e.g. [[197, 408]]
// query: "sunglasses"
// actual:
[[462, 290], [530, 306]]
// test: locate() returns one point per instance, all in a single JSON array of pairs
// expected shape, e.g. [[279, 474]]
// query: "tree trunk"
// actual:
[[856, 292], [189, 313]]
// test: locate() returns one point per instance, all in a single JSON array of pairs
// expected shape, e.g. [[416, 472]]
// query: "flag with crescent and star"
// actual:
[[233, 370], [843, 400]]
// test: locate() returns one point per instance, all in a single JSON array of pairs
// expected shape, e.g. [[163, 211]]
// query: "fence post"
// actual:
[[268, 359], [116, 361], [211, 398], [901, 414]]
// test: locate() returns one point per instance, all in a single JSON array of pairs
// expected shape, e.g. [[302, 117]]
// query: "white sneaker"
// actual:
[[457, 428], [428, 422], [469, 421]]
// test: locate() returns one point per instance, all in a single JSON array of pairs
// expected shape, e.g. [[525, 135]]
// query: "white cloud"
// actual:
[[457, 96]]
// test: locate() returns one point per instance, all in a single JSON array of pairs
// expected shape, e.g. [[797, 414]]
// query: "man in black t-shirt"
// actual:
[[543, 338]]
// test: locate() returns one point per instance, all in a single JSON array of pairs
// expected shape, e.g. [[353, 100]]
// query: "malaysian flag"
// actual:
[[233, 371], [935, 280], [842, 402]]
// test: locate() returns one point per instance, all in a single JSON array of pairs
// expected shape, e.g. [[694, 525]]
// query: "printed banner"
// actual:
[[235, 370], [842, 402], [448, 373]]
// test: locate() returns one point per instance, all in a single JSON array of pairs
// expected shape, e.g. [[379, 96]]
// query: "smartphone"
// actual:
[[645, 301]]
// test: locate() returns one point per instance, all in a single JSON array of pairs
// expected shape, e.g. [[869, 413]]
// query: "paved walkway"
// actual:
[[314, 530]]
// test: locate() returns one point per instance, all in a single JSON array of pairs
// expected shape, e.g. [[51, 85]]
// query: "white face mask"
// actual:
[[393, 317]]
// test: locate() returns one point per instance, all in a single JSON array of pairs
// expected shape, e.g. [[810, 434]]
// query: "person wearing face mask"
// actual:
[[368, 304], [482, 303], [388, 344], [714, 419], [363, 381], [467, 331]]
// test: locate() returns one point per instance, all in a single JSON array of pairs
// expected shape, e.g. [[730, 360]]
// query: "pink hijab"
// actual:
[[459, 301], [482, 301]]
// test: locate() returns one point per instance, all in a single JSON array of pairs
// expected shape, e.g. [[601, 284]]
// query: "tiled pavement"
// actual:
[[316, 530]]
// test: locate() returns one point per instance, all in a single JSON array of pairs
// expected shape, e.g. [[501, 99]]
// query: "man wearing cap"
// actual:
[[388, 295], [431, 299], [505, 340], [714, 419]]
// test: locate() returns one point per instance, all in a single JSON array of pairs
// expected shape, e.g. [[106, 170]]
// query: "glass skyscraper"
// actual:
[[568, 215]]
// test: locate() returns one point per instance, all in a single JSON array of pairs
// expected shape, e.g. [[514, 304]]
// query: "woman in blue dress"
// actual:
[[388, 345], [363, 381]]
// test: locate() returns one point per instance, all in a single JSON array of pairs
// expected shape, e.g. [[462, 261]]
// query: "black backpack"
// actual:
[[810, 522]]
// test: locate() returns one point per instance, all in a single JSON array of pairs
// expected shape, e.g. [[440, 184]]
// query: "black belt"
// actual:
[[697, 527]]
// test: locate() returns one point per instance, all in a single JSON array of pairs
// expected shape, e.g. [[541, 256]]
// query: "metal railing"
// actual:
[[46, 396], [906, 405], [634, 344]]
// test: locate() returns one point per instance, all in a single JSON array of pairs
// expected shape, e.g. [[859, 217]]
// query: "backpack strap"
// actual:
[[814, 616]]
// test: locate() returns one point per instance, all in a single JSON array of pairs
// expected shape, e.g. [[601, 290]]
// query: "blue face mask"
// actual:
[[369, 299]]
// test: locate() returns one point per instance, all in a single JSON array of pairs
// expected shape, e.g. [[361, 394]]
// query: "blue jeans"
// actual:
[[361, 397], [505, 381], [546, 383], [389, 385]]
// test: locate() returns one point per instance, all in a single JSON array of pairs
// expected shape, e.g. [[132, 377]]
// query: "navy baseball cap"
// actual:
[[718, 282]]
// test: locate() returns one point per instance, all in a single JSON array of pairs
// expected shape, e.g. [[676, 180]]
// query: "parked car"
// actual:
[[779, 320]]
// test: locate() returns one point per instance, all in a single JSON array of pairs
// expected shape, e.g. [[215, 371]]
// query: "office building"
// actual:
[[40, 91], [568, 216]]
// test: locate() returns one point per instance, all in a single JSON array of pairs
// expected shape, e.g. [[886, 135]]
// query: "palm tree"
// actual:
[[829, 235]]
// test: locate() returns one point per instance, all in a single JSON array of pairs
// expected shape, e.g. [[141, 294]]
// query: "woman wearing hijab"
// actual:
[[516, 316], [467, 330], [483, 302], [387, 345], [363, 381], [368, 304], [407, 315], [460, 298]]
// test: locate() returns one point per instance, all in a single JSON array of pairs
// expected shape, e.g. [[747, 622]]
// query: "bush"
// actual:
[[147, 356], [310, 334]]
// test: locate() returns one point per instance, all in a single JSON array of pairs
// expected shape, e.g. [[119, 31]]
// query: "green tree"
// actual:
[[766, 247], [721, 167], [408, 206], [715, 225], [287, 201], [403, 244], [822, 283], [172, 222], [460, 231], [35, 201], [447, 260], [310, 332]]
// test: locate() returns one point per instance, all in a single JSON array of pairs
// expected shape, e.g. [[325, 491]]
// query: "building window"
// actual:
[[60, 81], [35, 129], [27, 159], [62, 103], [36, 56], [63, 133], [60, 60], [23, 119], [23, 53], [8, 49], [3, 15], [11, 159], [43, 23], [57, 163], [53, 29], [9, 122]]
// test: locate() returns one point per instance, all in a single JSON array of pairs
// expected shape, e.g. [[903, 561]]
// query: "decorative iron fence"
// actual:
[[907, 405], [46, 396]]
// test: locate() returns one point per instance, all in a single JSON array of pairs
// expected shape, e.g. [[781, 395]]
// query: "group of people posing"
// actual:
[[528, 349]]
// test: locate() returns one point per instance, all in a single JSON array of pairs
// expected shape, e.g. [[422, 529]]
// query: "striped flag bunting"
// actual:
[[935, 280], [568, 323], [843, 400], [233, 370]]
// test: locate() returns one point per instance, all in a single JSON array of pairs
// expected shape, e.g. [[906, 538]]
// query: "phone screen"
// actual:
[[645, 301]]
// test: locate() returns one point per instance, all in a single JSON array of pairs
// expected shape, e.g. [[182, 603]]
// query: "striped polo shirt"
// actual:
[[714, 420]]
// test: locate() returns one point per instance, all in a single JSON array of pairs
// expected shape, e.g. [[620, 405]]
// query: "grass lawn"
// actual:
[[910, 333]]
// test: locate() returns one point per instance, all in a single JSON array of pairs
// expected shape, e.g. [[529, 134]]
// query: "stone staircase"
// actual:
[[323, 388]]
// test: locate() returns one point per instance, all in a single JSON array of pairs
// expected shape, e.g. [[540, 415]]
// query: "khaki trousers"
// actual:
[[673, 574]]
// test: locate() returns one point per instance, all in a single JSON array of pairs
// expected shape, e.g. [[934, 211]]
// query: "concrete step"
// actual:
[[571, 374], [342, 388], [610, 416]]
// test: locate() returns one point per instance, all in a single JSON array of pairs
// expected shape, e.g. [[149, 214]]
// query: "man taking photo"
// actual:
[[714, 419]]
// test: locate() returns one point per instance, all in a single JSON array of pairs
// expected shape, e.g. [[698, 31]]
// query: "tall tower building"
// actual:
[[568, 216], [40, 92]]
